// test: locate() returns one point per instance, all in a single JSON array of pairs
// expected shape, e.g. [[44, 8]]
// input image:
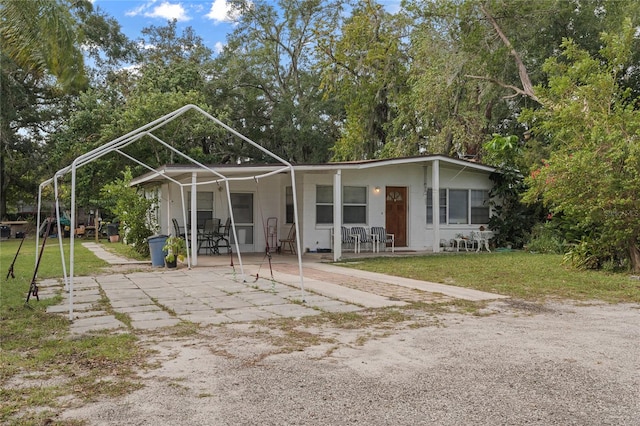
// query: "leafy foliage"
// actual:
[[42, 71], [135, 211], [545, 238], [512, 220], [40, 36], [592, 176], [269, 82], [176, 248], [364, 67]]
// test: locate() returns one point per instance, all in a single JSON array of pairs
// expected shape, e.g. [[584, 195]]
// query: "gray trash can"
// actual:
[[155, 248]]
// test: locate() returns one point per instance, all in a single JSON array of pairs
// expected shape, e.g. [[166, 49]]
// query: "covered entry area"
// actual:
[[255, 196]]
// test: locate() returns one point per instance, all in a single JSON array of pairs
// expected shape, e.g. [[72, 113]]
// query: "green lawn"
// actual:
[[518, 274], [36, 346]]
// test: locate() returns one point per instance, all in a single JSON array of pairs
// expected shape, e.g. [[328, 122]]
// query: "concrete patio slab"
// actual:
[[291, 310], [63, 308], [139, 308], [248, 314], [155, 324], [106, 322], [149, 315], [222, 294]]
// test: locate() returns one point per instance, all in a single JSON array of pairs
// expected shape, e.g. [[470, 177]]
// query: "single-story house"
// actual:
[[392, 193]]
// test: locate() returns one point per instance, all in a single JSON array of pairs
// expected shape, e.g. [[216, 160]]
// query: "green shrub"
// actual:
[[135, 210], [545, 239], [590, 253]]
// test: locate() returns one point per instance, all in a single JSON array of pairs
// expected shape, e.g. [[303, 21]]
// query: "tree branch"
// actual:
[[516, 89], [527, 87]]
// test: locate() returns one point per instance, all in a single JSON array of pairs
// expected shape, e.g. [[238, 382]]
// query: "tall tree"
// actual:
[[493, 50], [170, 61], [444, 112], [592, 177], [268, 81], [173, 69], [40, 59], [365, 67]]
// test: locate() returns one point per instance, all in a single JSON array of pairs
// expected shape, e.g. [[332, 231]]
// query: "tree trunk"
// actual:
[[527, 86], [448, 147], [634, 256], [4, 185]]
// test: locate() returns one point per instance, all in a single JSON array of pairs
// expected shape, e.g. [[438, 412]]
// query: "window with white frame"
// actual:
[[354, 204], [324, 204], [204, 206], [479, 206], [460, 206], [443, 206]]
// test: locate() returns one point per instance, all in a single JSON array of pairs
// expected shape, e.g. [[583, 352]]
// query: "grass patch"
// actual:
[[37, 347], [124, 250], [85, 262], [183, 329], [517, 274]]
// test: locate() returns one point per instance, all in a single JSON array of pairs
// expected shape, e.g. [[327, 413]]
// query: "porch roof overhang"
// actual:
[[177, 170]]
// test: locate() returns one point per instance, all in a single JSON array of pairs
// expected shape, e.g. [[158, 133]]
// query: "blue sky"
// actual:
[[211, 19]]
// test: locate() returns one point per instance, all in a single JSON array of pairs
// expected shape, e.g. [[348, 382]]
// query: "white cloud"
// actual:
[[168, 10], [133, 69], [146, 46], [140, 9], [165, 10], [221, 11], [218, 47]]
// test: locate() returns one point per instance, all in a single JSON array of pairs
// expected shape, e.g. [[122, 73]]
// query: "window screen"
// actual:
[[458, 206], [324, 204], [479, 206], [354, 204]]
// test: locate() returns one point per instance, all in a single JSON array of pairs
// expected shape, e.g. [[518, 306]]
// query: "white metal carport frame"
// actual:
[[117, 145]]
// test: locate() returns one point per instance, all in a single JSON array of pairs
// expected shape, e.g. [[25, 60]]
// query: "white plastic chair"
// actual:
[[481, 238]]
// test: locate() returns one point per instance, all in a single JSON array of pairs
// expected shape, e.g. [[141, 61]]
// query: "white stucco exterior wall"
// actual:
[[269, 198]]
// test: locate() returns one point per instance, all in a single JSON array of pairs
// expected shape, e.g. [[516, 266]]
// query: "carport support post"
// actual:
[[72, 236], [164, 189], [435, 203], [60, 234], [297, 225], [194, 219], [38, 224], [337, 215]]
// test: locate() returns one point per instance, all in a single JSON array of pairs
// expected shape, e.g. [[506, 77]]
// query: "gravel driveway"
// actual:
[[521, 363]]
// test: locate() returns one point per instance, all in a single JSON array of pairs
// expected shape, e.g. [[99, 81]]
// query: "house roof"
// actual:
[[175, 170]]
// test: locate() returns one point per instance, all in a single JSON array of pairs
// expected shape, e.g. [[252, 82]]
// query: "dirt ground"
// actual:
[[515, 363]]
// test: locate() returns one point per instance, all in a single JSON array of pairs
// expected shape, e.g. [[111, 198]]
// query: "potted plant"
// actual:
[[112, 232], [175, 249]]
